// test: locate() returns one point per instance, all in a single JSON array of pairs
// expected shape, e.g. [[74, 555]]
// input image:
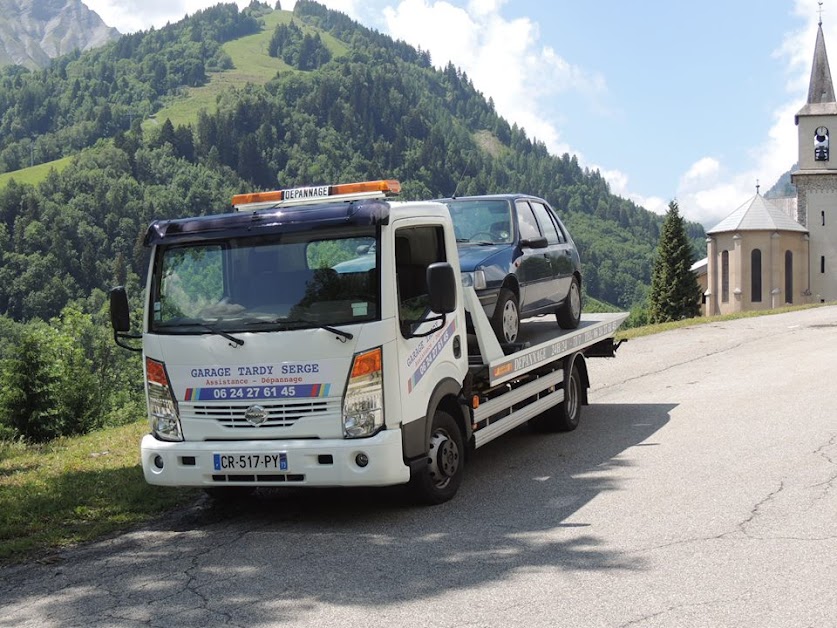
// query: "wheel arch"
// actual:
[[446, 396], [577, 360], [512, 283]]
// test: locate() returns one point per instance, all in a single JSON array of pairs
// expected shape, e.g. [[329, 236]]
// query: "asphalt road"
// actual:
[[699, 490]]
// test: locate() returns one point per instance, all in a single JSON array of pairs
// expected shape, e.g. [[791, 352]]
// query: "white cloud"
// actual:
[[702, 169], [129, 16], [503, 58]]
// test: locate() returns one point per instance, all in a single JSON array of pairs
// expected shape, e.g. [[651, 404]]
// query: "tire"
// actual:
[[569, 314], [506, 318], [438, 481], [566, 416]]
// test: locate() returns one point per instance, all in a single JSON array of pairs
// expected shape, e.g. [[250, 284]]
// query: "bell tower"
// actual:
[[816, 179]]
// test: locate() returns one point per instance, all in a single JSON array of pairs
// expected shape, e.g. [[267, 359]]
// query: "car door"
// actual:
[[535, 270], [559, 252]]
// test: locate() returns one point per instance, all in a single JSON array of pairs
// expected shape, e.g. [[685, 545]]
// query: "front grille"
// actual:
[[279, 413]]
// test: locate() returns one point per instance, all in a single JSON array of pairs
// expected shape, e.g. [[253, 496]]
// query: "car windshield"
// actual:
[[481, 221], [290, 281]]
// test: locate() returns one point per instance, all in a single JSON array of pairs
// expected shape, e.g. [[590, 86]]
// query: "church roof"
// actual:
[[757, 214], [821, 99]]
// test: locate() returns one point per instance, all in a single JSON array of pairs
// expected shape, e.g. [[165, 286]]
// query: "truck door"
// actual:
[[423, 343]]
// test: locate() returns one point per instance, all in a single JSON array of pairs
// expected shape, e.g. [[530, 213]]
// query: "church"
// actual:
[[760, 257]]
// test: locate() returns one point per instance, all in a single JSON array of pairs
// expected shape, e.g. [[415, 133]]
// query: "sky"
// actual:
[[689, 101]]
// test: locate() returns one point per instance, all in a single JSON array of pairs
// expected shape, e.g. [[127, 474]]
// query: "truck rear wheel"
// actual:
[[439, 479], [566, 415]]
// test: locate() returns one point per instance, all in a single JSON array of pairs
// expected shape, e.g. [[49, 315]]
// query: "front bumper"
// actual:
[[310, 462]]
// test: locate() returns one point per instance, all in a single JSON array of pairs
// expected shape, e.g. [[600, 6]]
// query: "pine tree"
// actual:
[[675, 292]]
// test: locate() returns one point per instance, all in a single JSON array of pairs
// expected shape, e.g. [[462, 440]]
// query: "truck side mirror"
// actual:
[[120, 315], [441, 286], [120, 318]]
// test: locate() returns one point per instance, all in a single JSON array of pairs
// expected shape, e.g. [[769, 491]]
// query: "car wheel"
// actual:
[[506, 319], [569, 314]]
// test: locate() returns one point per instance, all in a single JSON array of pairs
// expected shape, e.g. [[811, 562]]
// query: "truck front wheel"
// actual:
[[566, 415], [438, 480]]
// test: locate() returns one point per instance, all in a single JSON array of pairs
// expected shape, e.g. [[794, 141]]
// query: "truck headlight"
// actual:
[[363, 403], [475, 280], [162, 406]]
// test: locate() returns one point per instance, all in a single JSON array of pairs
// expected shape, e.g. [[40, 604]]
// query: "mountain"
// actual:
[[33, 32], [172, 122], [783, 188]]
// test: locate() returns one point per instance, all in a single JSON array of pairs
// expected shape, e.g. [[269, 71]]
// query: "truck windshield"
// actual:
[[288, 281]]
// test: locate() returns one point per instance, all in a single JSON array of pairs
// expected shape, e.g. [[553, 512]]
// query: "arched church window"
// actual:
[[725, 277], [821, 144], [788, 277], [755, 275]]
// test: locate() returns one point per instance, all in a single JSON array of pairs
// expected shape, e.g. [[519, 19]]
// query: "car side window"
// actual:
[[526, 219], [547, 223]]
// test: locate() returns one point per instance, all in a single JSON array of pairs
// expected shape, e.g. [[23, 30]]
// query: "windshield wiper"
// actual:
[[207, 327], [301, 321], [222, 333]]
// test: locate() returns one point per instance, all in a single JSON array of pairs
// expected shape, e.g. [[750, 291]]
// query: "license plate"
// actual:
[[250, 462]]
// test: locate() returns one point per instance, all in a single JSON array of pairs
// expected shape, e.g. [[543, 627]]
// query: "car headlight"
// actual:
[[475, 280]]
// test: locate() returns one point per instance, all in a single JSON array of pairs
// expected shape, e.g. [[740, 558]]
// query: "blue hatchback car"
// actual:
[[519, 257]]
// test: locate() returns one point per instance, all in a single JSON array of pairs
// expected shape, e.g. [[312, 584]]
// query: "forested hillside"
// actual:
[[377, 109]]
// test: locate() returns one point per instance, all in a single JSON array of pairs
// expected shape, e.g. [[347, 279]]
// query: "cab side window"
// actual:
[[415, 249]]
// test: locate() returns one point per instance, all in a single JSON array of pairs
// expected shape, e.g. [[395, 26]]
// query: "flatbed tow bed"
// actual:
[[531, 383]]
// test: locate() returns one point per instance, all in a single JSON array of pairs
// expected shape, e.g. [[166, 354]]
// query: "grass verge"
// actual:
[[647, 330], [75, 489]]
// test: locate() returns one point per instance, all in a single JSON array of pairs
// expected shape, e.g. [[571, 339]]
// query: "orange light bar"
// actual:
[[156, 372], [387, 186], [257, 197], [383, 186], [367, 363]]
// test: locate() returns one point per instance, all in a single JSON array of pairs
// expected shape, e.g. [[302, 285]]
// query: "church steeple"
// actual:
[[820, 89], [821, 100]]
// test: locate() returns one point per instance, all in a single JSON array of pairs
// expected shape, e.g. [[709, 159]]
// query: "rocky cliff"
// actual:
[[32, 32]]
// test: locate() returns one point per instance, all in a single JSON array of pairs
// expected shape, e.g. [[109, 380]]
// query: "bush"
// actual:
[[66, 378]]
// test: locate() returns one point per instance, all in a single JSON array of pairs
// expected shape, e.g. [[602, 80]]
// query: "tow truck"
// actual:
[[269, 361]]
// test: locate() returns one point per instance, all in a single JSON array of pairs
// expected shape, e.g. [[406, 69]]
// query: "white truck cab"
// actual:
[[318, 337]]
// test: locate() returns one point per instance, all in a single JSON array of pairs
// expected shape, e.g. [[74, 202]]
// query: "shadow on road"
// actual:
[[288, 551]]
